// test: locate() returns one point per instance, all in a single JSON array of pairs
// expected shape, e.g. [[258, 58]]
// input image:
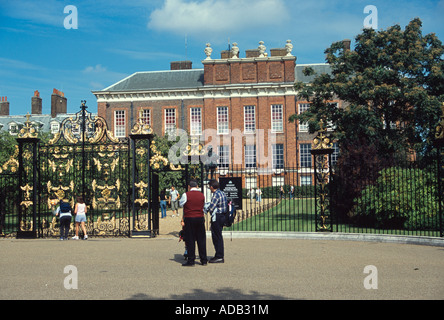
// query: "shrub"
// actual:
[[400, 198]]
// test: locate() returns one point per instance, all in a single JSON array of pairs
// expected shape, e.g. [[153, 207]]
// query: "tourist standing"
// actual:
[[80, 219], [174, 200], [258, 195], [163, 204], [64, 212], [193, 223], [217, 207]]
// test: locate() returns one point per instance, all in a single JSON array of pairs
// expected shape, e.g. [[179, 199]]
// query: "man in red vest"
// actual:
[[193, 222]]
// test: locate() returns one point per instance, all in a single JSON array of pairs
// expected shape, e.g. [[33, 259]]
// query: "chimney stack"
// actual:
[[36, 103], [58, 103], [4, 106], [347, 44], [181, 65]]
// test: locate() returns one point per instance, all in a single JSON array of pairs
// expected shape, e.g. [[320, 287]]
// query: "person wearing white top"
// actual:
[[80, 212]]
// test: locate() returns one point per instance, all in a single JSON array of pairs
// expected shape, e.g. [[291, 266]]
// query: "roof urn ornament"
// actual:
[[234, 51], [261, 49], [208, 50], [289, 48]]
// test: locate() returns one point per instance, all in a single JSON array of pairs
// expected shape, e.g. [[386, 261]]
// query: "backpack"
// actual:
[[65, 207], [230, 215]]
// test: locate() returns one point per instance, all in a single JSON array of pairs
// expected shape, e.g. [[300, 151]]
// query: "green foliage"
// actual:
[[7, 146], [401, 198], [392, 85]]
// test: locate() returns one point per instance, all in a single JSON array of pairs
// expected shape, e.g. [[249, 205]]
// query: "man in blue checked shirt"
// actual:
[[218, 206]]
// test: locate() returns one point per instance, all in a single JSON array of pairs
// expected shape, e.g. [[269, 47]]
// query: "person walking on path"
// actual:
[[64, 212], [163, 204], [193, 222], [80, 219], [217, 207], [174, 200]]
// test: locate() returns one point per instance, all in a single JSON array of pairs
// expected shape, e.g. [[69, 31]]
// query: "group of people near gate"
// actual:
[[64, 212], [193, 220]]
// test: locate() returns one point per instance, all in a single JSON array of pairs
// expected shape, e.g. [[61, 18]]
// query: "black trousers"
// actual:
[[194, 231], [216, 235], [64, 226]]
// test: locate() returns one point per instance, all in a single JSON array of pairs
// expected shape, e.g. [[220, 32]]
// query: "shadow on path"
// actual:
[[222, 294]]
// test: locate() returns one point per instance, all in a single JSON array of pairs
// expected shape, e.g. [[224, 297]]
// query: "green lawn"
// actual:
[[298, 215], [288, 215]]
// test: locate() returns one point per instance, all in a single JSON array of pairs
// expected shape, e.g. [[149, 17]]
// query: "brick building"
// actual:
[[41, 122], [239, 105]]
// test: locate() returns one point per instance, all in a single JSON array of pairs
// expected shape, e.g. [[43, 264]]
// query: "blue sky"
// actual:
[[117, 38]]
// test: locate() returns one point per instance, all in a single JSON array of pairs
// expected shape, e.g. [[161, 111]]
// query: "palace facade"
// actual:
[[240, 106]]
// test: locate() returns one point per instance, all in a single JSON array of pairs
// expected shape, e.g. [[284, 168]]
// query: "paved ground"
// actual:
[[254, 269]]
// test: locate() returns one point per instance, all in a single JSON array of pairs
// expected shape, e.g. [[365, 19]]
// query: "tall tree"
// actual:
[[392, 85]]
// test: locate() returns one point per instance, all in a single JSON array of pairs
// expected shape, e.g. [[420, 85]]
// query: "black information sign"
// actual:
[[232, 187]]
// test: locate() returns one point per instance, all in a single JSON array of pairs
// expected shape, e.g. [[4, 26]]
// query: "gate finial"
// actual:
[[322, 141], [28, 130], [141, 128]]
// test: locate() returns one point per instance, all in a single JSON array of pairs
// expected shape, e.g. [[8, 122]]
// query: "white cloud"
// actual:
[[95, 69], [217, 16]]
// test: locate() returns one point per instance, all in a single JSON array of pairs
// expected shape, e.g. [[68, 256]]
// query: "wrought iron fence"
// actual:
[[390, 197], [401, 198], [275, 199]]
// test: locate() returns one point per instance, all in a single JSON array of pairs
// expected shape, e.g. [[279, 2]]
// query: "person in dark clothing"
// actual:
[[217, 207], [193, 223], [163, 203], [64, 212]]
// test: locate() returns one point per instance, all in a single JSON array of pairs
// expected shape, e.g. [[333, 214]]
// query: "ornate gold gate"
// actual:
[[85, 159], [117, 178]]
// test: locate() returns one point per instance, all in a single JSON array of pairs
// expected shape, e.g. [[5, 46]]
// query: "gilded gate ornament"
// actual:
[[141, 128], [12, 164], [322, 141], [27, 202], [321, 149], [28, 130], [142, 193], [194, 148]]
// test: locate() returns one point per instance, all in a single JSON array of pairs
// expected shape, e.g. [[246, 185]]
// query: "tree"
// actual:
[[392, 85], [7, 146]]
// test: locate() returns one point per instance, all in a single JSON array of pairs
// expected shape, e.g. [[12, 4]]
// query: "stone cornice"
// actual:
[[207, 92], [249, 60]]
